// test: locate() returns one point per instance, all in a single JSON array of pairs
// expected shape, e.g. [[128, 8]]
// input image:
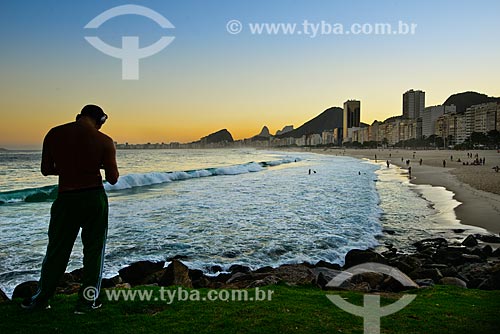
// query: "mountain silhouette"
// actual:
[[263, 135], [329, 119], [466, 99], [218, 137]]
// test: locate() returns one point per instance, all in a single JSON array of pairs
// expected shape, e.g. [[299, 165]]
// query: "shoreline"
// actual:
[[478, 207], [472, 263]]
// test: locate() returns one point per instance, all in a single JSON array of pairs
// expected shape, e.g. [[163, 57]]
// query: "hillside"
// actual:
[[466, 99], [329, 119], [218, 137]]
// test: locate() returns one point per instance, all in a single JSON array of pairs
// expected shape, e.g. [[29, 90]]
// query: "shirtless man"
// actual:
[[76, 152]]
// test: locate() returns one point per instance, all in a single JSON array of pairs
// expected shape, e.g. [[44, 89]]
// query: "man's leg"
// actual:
[[94, 234], [62, 234]]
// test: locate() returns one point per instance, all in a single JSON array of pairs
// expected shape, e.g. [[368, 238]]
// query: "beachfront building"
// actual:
[[431, 114], [361, 134], [373, 132], [351, 118], [386, 131], [408, 129], [287, 141], [313, 139], [300, 141], [460, 133], [327, 137], [413, 104], [483, 117], [392, 130], [452, 127]]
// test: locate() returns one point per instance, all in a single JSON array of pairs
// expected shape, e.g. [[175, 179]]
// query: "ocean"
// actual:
[[223, 207]]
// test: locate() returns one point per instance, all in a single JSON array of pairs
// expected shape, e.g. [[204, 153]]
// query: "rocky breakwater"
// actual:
[[472, 264]]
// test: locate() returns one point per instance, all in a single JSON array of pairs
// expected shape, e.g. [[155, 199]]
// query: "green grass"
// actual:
[[291, 310]]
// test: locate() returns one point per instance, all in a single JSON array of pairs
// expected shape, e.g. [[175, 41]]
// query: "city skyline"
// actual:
[[210, 78]]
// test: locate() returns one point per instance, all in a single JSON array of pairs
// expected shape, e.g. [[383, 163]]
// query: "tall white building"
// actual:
[[413, 104]]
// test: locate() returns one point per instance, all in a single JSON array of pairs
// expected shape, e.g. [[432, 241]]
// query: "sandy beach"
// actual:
[[477, 188]]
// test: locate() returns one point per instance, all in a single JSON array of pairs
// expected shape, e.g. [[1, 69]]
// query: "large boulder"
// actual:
[[359, 256], [406, 263], [475, 274], [177, 273], [493, 281], [294, 274], [470, 241], [372, 277], [25, 290], [137, 272], [324, 264], [367, 279], [450, 255], [291, 274], [422, 273], [324, 275]]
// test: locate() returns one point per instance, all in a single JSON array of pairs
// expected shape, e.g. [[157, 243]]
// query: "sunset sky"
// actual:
[[208, 79]]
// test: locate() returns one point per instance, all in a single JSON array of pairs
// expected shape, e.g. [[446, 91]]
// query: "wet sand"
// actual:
[[477, 188]]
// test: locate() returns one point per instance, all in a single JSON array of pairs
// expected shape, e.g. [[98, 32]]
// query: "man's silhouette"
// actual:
[[76, 152]]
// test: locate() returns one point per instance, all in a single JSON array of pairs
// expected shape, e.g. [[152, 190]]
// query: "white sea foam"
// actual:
[[252, 215], [145, 179]]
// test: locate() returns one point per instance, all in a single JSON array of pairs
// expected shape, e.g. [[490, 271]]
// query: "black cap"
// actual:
[[95, 112]]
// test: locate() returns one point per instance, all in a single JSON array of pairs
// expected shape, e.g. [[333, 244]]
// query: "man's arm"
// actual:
[[48, 166], [109, 163]]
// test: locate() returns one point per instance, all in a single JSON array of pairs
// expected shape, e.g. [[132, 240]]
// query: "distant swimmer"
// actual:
[[444, 163], [310, 171], [359, 173], [388, 163], [409, 172]]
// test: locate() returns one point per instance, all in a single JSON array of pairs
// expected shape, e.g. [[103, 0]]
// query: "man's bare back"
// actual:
[[76, 152]]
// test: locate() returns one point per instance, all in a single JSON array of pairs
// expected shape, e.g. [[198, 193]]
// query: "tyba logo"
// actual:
[[371, 311], [130, 53]]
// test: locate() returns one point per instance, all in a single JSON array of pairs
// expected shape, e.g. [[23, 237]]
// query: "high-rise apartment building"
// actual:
[[413, 104], [352, 116]]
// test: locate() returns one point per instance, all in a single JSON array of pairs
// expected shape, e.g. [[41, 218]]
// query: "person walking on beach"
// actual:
[[76, 152]]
